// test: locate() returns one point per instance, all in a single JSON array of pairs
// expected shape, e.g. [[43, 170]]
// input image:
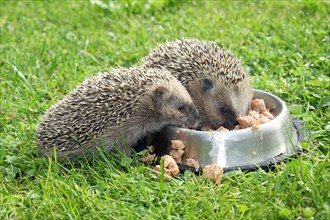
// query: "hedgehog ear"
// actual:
[[206, 85], [160, 94]]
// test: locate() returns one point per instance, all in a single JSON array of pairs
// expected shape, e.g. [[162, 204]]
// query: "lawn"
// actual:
[[49, 47]]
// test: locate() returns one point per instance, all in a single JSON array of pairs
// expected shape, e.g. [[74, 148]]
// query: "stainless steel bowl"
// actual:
[[244, 149]]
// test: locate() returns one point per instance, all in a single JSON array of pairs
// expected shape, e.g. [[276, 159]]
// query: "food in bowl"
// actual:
[[258, 115]]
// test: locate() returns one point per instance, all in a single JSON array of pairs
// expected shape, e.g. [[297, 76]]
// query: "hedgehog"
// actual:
[[114, 110], [215, 79]]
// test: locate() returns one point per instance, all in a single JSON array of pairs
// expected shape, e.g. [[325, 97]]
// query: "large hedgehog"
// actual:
[[116, 108], [214, 78]]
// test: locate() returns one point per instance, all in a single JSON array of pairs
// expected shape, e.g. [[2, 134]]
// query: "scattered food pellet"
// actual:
[[149, 158], [177, 150], [177, 155], [192, 163], [177, 145], [206, 128], [151, 149], [213, 172], [170, 167]]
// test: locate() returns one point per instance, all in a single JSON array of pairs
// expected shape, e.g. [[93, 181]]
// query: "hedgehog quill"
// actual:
[[115, 109], [215, 79]]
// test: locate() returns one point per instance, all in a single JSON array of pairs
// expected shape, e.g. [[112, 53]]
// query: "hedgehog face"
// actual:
[[232, 101], [176, 108], [220, 104]]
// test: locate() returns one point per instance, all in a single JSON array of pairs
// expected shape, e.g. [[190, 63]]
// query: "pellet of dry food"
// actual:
[[263, 119], [170, 164], [177, 150], [237, 127], [206, 128], [149, 158], [267, 114], [170, 167], [246, 121], [151, 149], [256, 116], [222, 129], [213, 172], [254, 119], [177, 145], [192, 163], [255, 127], [177, 155], [258, 105], [157, 170]]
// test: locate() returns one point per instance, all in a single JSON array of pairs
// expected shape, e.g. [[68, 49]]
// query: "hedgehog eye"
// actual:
[[224, 110], [181, 108]]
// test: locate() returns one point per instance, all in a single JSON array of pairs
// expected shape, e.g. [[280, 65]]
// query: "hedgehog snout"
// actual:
[[193, 120], [231, 123]]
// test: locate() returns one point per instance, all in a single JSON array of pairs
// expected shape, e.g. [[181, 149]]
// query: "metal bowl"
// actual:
[[241, 149]]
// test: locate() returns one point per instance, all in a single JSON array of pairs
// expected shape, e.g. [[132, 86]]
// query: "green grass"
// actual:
[[48, 47]]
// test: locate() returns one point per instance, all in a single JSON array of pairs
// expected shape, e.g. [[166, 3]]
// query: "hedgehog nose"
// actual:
[[231, 124], [193, 120], [234, 122]]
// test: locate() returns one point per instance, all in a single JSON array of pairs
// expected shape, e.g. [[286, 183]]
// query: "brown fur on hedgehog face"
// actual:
[[174, 110], [219, 104], [170, 105]]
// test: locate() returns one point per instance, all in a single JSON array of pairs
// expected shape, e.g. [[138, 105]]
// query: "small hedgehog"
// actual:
[[115, 109], [215, 79]]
